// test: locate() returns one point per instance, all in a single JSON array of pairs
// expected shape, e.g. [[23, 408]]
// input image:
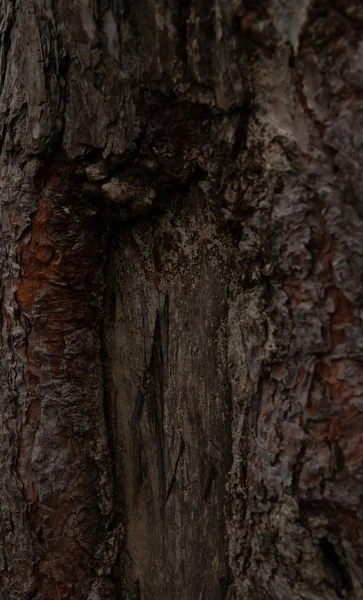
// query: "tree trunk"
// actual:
[[181, 300]]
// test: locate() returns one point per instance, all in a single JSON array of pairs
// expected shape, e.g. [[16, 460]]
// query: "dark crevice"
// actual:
[[225, 586], [212, 476], [341, 577], [296, 472], [137, 591], [183, 30], [255, 402], [173, 478], [6, 28], [240, 140]]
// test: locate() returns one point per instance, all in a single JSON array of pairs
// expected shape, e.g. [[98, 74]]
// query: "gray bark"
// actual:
[[181, 300]]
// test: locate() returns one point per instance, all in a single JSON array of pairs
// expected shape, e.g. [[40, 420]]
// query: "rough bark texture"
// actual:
[[181, 300]]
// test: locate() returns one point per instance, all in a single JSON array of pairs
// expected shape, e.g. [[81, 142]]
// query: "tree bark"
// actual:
[[181, 300]]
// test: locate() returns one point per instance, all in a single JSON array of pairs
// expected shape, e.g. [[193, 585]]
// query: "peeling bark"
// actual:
[[181, 295]]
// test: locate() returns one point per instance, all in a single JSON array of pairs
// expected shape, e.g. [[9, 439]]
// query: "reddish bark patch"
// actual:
[[58, 294]]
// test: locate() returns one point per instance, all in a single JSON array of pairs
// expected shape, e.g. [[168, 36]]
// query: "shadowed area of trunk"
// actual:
[[181, 300]]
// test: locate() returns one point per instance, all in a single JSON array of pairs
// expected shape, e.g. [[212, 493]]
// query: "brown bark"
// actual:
[[181, 297]]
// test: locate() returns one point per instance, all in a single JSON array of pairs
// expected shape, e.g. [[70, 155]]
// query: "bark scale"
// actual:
[[181, 332]]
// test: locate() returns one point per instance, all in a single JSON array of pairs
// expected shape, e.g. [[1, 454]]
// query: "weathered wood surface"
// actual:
[[181, 300]]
